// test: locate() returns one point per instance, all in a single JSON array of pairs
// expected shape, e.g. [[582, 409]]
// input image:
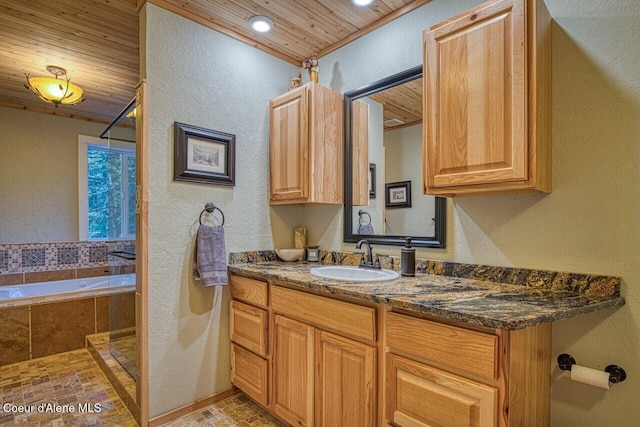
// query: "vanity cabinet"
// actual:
[[324, 361], [313, 360], [248, 324], [455, 375], [487, 98], [306, 146]]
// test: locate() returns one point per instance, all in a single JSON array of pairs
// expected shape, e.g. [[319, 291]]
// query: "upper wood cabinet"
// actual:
[[360, 143], [305, 146], [487, 100]]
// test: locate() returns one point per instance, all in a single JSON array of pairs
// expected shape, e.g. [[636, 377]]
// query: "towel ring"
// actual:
[[210, 207], [360, 213]]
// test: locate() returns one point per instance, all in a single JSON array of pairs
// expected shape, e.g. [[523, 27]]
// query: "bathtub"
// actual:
[[42, 319], [57, 287]]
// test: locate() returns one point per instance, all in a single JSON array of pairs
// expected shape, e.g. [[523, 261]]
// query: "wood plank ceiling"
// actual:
[[96, 41], [403, 103]]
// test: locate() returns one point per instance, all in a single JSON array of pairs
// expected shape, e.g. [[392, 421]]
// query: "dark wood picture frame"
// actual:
[[203, 155], [392, 189], [372, 180]]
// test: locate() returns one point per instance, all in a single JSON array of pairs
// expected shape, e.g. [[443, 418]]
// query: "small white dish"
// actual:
[[290, 255]]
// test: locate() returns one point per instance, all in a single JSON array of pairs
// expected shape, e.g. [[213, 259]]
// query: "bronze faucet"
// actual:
[[369, 263]]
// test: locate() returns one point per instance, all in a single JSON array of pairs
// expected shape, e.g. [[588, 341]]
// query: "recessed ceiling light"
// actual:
[[362, 2], [261, 24]]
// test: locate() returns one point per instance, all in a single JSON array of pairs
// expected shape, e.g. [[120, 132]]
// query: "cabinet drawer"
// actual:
[[344, 318], [249, 290], [248, 327], [249, 373], [448, 346], [420, 395]]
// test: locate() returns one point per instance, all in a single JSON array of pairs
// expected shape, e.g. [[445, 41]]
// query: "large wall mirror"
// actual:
[[384, 202]]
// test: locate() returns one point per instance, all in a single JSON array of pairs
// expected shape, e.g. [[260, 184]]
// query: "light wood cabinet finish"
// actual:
[[325, 364], [360, 141], [419, 395], [293, 362], [448, 346], [513, 363], [249, 373], [305, 146], [487, 100], [248, 327], [345, 382], [251, 291], [347, 319]]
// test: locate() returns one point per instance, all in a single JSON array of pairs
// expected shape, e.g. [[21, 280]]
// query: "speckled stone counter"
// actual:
[[530, 297]]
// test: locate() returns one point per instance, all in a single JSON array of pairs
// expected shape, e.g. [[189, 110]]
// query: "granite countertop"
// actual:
[[481, 302]]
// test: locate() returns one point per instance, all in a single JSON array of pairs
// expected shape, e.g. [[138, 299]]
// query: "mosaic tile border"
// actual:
[[577, 283], [37, 257]]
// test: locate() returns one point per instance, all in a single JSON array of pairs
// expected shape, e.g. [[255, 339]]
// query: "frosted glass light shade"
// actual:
[[56, 91]]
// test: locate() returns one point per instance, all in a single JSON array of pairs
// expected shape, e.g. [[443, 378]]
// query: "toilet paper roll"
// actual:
[[590, 376]]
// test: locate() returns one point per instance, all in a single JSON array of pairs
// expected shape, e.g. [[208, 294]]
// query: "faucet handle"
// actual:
[[362, 263], [377, 263]]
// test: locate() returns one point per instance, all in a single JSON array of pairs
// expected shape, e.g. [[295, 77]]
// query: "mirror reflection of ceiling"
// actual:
[[97, 41], [402, 104]]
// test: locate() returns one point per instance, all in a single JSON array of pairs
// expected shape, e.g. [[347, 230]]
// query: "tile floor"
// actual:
[[67, 380], [100, 348], [124, 350], [236, 410], [73, 378]]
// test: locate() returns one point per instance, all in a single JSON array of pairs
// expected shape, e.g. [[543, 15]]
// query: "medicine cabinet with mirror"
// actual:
[[383, 135]]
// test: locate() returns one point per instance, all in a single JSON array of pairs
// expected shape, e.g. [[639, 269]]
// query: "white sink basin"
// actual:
[[354, 274]]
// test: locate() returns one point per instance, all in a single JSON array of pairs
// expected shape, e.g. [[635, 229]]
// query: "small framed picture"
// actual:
[[203, 155], [398, 194], [372, 180]]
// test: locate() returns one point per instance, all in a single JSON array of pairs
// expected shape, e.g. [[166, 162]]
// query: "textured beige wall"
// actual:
[[39, 175], [588, 224], [591, 221], [200, 77], [403, 164]]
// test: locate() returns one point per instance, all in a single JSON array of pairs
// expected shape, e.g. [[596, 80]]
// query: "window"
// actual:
[[107, 189]]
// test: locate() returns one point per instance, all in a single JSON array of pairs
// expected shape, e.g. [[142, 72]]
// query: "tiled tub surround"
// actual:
[[42, 326], [41, 262], [497, 297]]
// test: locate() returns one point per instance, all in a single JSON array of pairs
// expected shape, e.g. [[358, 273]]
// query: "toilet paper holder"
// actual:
[[616, 373]]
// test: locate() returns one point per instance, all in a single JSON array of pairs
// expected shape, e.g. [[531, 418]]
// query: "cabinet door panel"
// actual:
[[447, 346], [248, 290], [345, 382], [289, 146], [419, 395], [360, 142], [293, 371], [477, 97], [249, 373], [248, 327]]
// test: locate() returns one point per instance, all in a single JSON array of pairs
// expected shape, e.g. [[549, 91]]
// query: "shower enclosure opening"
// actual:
[[115, 218]]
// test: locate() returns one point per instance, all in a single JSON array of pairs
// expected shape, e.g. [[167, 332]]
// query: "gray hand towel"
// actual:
[[365, 229], [210, 256]]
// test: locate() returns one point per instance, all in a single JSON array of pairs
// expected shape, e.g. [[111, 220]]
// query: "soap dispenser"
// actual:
[[408, 259]]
